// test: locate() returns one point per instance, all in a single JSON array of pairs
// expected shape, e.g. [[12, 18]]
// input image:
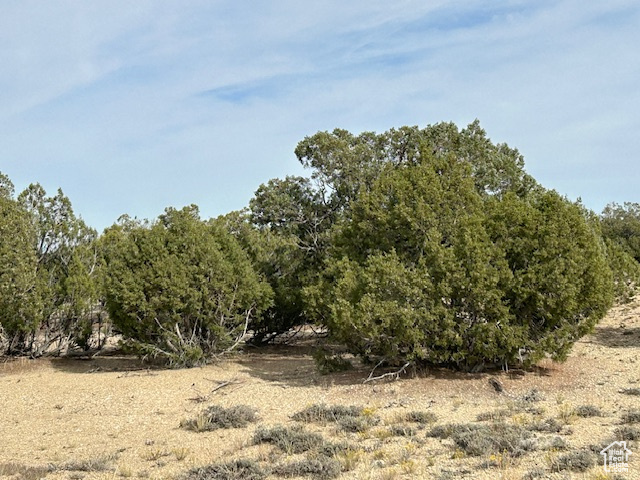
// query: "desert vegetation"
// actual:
[[402, 253]]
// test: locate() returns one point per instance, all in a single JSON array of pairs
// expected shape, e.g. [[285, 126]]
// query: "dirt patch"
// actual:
[[113, 417]]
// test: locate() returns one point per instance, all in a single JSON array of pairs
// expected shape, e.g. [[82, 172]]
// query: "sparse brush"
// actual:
[[496, 437], [537, 472], [349, 459], [549, 425], [332, 449], [418, 416], [320, 467], [180, 453], [627, 432], [289, 439], [97, 464], [357, 424], [532, 396], [632, 416], [555, 444], [321, 413], [350, 419], [631, 391], [566, 413], [216, 417], [154, 454], [24, 472], [242, 469], [476, 439], [402, 431], [576, 461], [492, 415], [588, 411]]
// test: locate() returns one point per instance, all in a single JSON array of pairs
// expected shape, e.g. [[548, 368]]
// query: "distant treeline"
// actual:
[[428, 246]]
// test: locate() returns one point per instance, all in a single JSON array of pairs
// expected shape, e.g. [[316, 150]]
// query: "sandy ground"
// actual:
[[56, 413]]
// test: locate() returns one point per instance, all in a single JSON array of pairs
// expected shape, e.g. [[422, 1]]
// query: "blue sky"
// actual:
[[134, 106]]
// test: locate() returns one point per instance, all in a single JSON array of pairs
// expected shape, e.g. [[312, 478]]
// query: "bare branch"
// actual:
[[395, 375]]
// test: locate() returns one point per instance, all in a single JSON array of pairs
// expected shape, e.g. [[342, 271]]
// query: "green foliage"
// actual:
[[20, 307], [292, 219], [66, 273], [280, 261], [328, 362], [439, 261], [180, 289], [621, 223], [625, 269]]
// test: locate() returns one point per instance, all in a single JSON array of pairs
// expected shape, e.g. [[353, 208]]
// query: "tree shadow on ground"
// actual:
[[293, 366], [104, 361], [616, 337]]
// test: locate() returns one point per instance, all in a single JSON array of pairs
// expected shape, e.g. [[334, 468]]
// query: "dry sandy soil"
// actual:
[[111, 417]]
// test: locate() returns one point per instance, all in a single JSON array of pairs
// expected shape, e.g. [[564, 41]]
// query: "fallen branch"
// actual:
[[395, 375]]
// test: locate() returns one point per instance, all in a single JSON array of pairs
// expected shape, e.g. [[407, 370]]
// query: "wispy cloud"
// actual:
[[134, 106]]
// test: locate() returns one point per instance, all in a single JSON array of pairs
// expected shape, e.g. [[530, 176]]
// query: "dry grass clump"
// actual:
[[349, 418], [587, 411], [532, 396], [321, 413], [548, 425], [24, 472], [631, 391], [243, 469], [554, 443], [216, 417], [475, 440], [492, 415], [576, 461], [632, 416], [291, 440], [402, 431], [419, 416], [97, 464], [321, 467], [627, 432]]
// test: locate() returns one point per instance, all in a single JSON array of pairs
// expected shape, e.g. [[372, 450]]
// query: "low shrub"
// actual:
[[403, 431], [631, 391], [418, 416], [348, 418], [632, 416], [291, 440], [627, 432], [548, 425], [555, 443], [492, 415], [320, 413], [576, 461], [216, 417], [95, 464], [242, 469], [477, 440], [532, 396], [320, 467], [24, 472], [588, 411]]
